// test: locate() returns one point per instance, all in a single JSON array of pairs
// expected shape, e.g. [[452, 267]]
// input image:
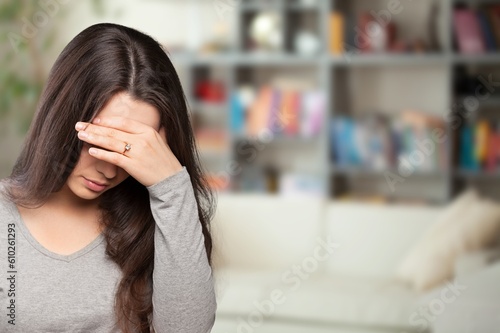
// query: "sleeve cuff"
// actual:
[[174, 181]]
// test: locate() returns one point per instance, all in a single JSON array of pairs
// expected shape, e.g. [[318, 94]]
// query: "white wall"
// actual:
[[170, 21]]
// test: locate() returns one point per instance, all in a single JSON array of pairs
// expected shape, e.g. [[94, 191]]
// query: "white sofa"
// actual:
[[273, 274], [472, 303]]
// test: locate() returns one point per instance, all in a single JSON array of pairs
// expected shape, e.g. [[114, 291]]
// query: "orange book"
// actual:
[[297, 112], [259, 112], [482, 140], [336, 33], [288, 113], [493, 152]]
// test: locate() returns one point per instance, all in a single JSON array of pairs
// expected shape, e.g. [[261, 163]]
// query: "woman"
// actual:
[[105, 217]]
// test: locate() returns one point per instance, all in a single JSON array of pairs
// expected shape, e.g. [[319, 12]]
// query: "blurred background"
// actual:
[[354, 146]]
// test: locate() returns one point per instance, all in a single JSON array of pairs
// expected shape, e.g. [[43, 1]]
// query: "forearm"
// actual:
[[183, 286]]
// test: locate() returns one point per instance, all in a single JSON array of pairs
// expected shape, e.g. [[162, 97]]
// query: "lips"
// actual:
[[95, 186], [98, 183]]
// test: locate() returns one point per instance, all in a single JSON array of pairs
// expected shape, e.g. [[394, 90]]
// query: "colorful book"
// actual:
[[259, 112], [493, 158], [313, 107], [486, 28], [336, 33], [494, 15], [237, 114], [466, 154], [468, 31], [289, 113], [274, 122], [482, 134]]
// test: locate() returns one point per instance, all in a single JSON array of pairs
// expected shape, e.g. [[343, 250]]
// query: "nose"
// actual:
[[109, 170]]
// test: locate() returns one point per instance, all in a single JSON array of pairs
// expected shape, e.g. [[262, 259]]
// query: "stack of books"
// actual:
[[412, 140], [477, 30], [479, 147], [284, 113]]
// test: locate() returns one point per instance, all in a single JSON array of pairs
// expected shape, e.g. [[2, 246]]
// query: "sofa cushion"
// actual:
[[469, 224], [469, 303], [349, 300], [374, 238], [265, 231], [237, 289], [333, 301]]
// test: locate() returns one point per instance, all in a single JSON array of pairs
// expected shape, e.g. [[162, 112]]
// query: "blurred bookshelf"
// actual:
[[367, 108]]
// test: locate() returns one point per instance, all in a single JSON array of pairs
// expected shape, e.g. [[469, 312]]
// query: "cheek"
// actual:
[[86, 160], [122, 175]]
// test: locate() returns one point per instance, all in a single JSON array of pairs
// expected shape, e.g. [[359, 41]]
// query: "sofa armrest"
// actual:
[[475, 261]]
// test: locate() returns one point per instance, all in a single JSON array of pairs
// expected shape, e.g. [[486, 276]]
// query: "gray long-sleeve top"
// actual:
[[42, 291]]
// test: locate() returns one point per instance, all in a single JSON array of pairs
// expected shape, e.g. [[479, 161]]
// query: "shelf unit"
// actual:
[[433, 71]]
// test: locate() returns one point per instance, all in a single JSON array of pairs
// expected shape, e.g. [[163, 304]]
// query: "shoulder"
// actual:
[[7, 213], [5, 203], [3, 187]]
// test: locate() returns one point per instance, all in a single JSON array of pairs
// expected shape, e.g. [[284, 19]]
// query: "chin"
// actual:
[[82, 192], [86, 194]]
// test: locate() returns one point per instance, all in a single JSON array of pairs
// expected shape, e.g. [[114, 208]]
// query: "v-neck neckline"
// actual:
[[38, 246]]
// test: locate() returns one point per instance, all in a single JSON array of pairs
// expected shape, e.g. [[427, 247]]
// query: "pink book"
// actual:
[[468, 32]]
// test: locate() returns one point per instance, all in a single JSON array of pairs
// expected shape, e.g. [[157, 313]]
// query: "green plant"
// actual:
[[22, 55]]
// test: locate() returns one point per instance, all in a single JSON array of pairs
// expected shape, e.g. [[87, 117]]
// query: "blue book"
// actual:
[[338, 152], [349, 139], [340, 141], [236, 114], [489, 38], [466, 149]]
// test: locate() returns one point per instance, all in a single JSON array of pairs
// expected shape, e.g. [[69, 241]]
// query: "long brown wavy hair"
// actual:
[[101, 61]]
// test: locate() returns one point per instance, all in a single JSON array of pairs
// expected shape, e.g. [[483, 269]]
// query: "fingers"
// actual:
[[111, 133], [122, 124], [107, 138], [110, 157], [105, 142]]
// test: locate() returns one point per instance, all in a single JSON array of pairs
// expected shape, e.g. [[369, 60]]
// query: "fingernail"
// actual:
[[79, 126], [83, 135], [97, 121]]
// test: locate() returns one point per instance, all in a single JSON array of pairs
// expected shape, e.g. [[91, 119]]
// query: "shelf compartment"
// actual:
[[260, 5], [479, 59], [493, 175], [358, 171], [390, 59]]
